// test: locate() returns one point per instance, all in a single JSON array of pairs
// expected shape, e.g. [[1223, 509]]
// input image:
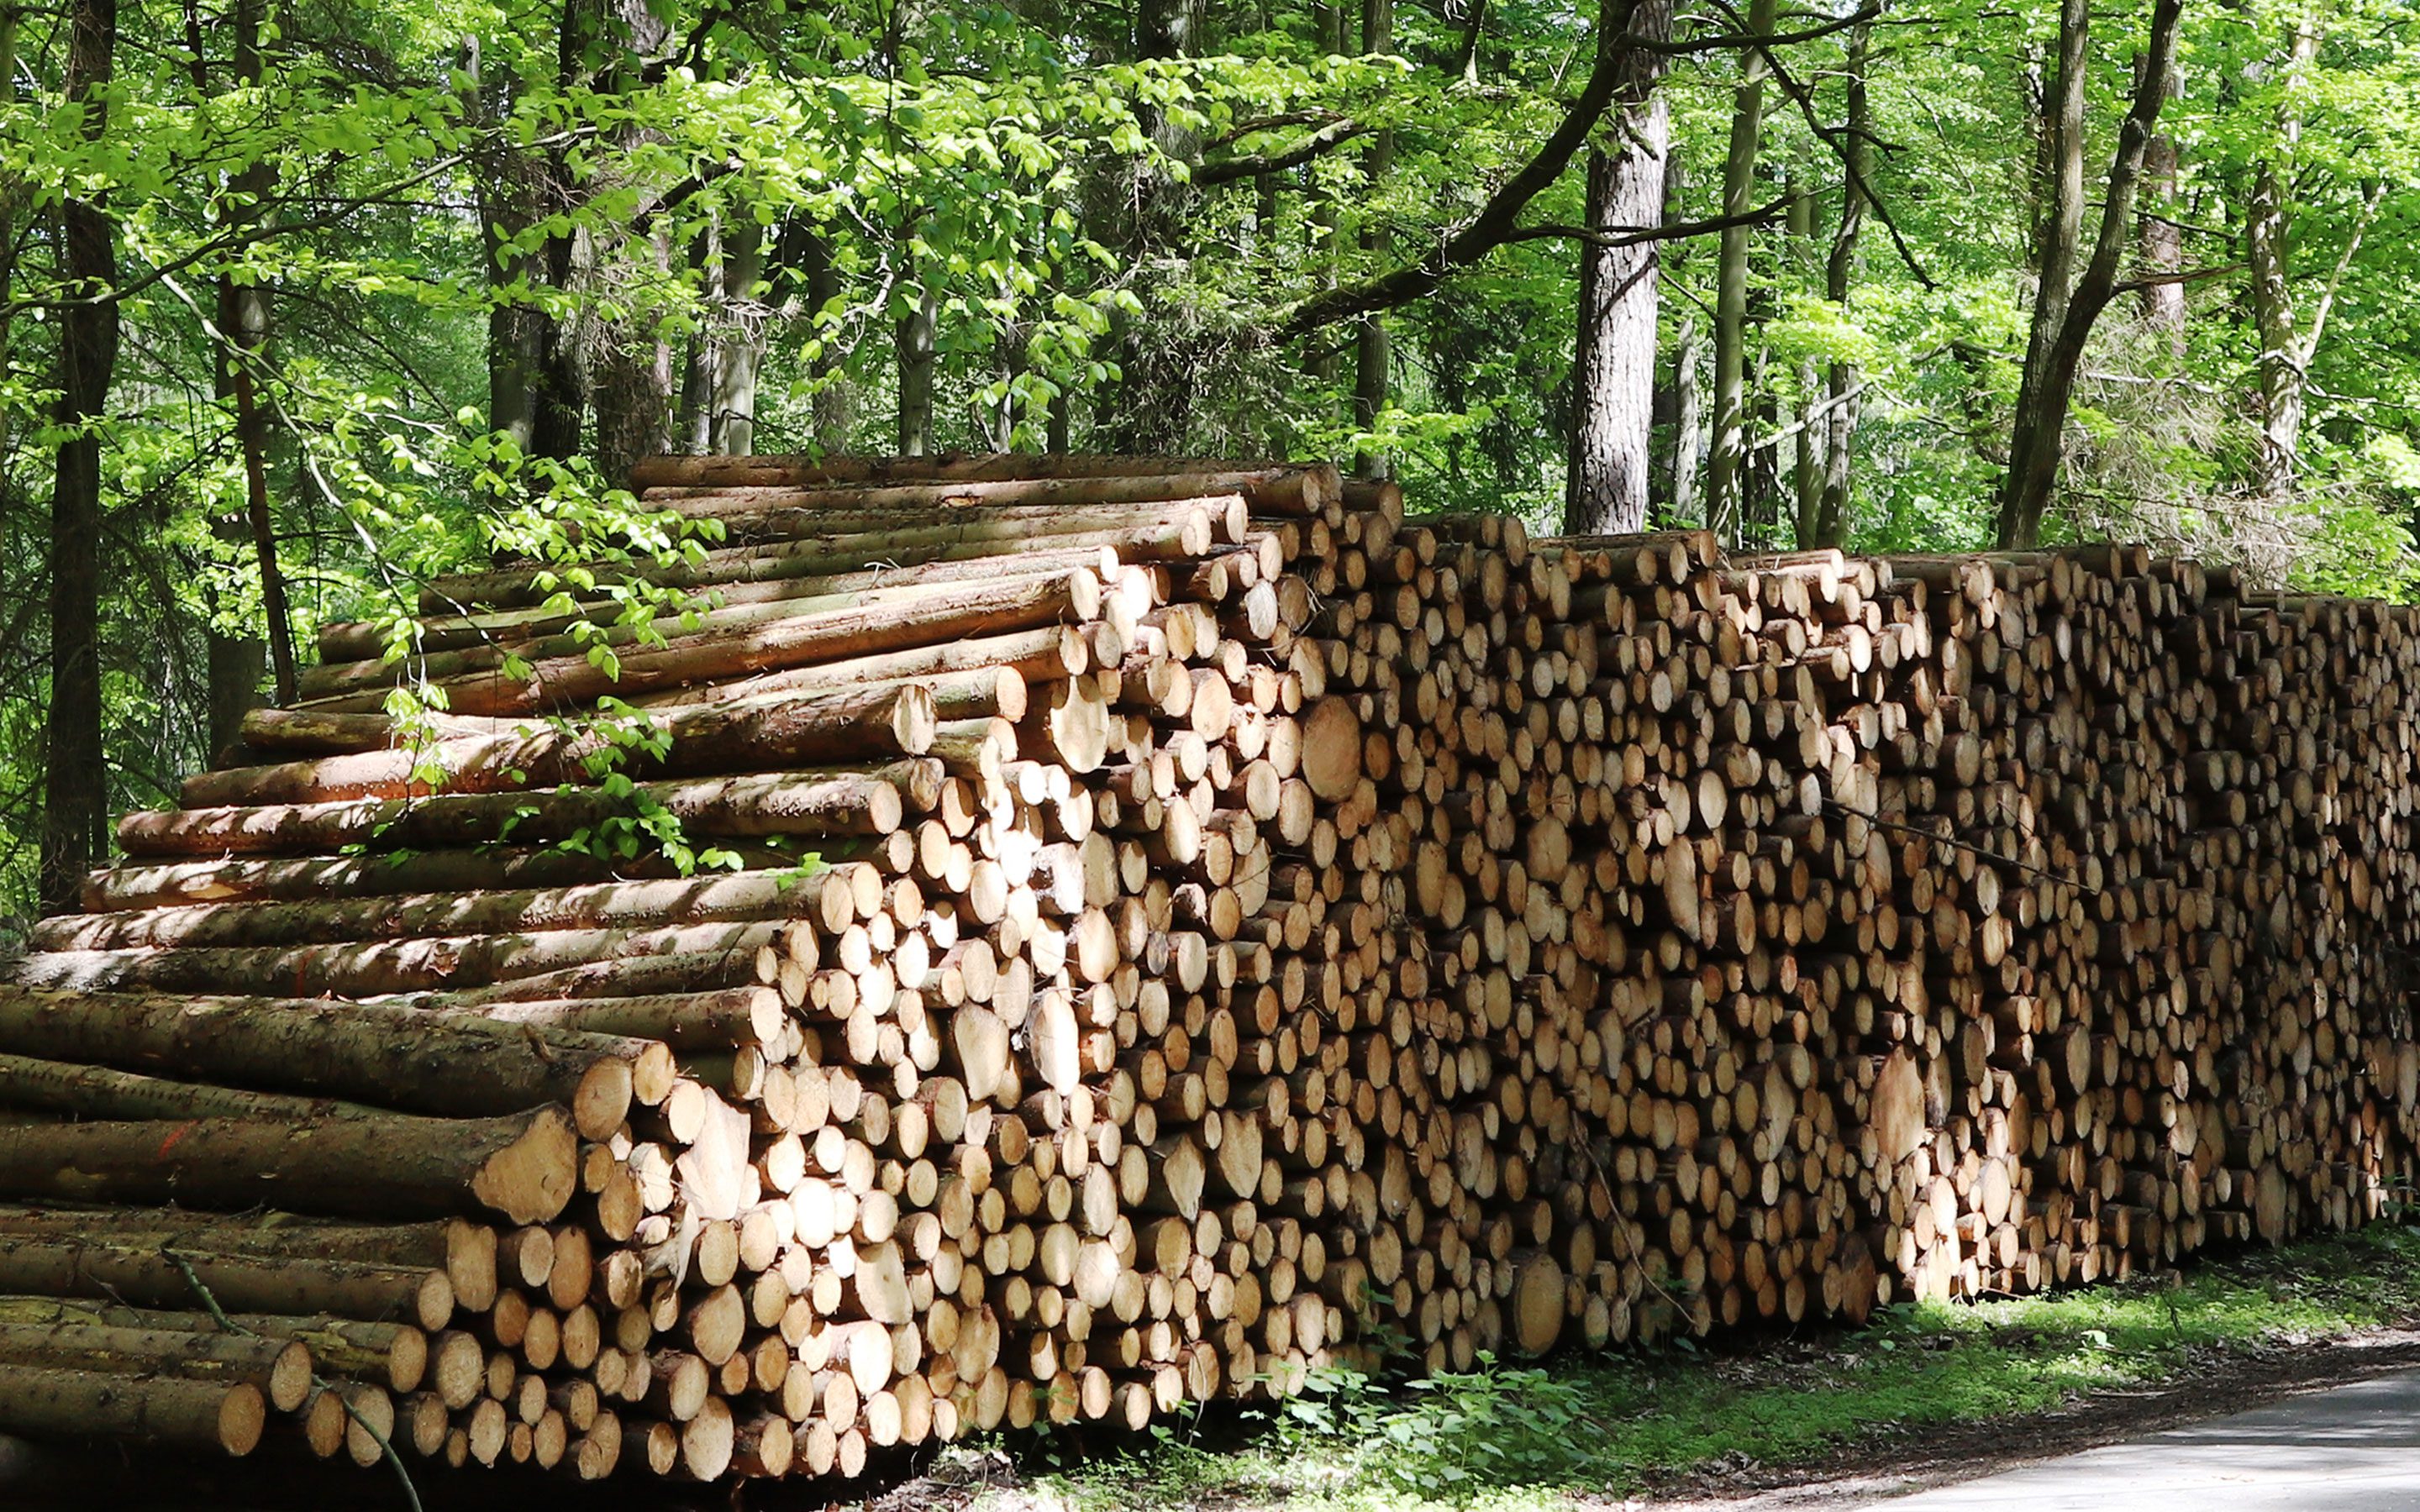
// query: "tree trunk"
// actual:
[[1372, 353], [739, 349], [239, 347], [1726, 468], [1806, 452], [75, 780], [2283, 363], [2162, 248], [2067, 308], [914, 345], [1688, 421], [165, 1409], [832, 405], [1843, 381], [694, 414], [1613, 371]]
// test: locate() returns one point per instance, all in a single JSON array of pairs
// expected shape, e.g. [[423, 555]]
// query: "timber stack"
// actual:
[[1165, 927]]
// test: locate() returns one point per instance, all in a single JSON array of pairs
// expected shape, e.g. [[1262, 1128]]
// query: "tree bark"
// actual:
[[75, 780], [913, 342], [740, 348], [1728, 459], [165, 1409], [2162, 247], [1613, 370], [831, 404]]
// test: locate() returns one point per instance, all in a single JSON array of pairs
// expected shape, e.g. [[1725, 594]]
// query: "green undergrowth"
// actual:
[[1516, 1435]]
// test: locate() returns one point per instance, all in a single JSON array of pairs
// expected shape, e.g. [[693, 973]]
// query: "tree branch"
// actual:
[[1681, 47], [1227, 170], [1634, 236], [1494, 221]]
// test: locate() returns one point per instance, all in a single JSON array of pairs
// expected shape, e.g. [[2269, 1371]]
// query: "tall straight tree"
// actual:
[[1728, 454], [1843, 383], [76, 778], [1373, 356], [2067, 306], [236, 654], [1613, 363], [2290, 336]]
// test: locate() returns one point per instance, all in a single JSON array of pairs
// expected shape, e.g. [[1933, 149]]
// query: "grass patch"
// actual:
[[1515, 1436]]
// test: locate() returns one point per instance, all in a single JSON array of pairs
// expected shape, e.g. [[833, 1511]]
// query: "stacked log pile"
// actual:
[[1246, 928]]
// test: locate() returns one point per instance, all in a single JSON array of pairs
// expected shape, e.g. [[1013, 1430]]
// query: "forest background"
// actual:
[[302, 303]]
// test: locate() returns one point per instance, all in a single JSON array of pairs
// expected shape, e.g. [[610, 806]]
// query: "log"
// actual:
[[164, 1410], [142, 1275], [451, 1065], [524, 1168], [560, 673], [280, 1370], [751, 806], [855, 724]]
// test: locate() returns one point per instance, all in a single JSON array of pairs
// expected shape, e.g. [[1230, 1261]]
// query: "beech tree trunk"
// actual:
[[1806, 450], [242, 348], [1613, 371], [1372, 354], [75, 779], [1843, 381], [740, 348], [2285, 349], [2162, 248], [1727, 466], [913, 341]]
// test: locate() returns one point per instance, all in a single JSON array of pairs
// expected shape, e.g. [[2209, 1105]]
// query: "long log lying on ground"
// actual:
[[715, 898], [73, 1089], [868, 724], [398, 1352], [721, 644], [461, 1067], [524, 1167], [871, 801], [279, 1370], [147, 1275], [167, 1410]]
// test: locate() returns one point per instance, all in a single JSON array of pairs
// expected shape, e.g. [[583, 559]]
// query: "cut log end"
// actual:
[[532, 1178]]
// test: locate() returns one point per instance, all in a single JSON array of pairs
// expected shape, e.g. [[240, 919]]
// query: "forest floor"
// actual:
[[1821, 1418]]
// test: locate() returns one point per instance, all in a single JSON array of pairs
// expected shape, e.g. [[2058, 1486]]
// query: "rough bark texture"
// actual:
[[75, 772], [1613, 369]]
